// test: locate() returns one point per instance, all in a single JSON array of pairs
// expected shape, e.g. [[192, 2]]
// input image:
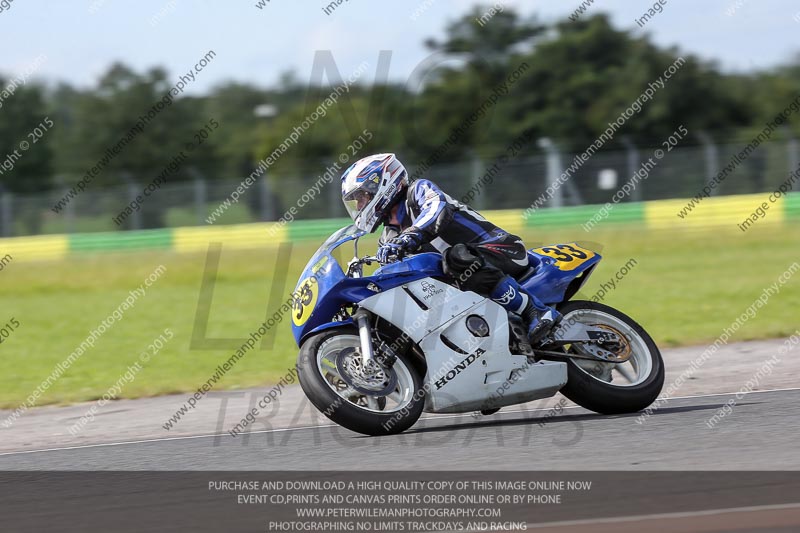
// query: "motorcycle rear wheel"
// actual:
[[613, 388]]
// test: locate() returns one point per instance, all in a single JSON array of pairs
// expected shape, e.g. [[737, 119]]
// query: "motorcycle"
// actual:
[[378, 350]]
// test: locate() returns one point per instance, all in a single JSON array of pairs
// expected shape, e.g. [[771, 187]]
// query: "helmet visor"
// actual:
[[356, 201]]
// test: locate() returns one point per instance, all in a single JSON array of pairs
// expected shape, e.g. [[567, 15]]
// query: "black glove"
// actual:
[[405, 243]]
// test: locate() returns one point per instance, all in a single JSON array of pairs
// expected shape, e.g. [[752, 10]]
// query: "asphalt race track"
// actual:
[[760, 433], [751, 448]]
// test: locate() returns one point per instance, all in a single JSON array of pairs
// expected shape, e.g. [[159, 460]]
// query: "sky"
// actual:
[[81, 38]]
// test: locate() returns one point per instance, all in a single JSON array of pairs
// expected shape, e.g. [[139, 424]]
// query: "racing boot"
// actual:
[[540, 318]]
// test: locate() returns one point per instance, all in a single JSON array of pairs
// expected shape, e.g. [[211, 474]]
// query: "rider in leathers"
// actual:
[[484, 258]]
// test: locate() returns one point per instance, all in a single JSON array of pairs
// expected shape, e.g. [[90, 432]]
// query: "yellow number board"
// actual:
[[568, 256], [305, 298]]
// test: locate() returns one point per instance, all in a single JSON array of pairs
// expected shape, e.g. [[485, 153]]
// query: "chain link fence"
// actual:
[[516, 184]]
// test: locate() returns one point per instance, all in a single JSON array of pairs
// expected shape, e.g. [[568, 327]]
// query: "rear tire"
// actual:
[[346, 411], [595, 394]]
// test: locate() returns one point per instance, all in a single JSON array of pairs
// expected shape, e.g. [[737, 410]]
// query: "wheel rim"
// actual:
[[632, 372], [343, 352]]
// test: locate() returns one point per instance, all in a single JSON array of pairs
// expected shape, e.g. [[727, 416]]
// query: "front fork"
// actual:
[[362, 321]]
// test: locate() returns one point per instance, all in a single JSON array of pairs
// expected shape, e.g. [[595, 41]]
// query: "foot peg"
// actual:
[[542, 325]]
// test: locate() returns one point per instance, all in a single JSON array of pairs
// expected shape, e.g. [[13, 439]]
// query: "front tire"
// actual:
[[373, 402], [607, 388]]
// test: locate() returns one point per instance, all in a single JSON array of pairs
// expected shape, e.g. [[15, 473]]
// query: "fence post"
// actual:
[[69, 215], [7, 220], [634, 162], [69, 210], [136, 218], [265, 199], [791, 148], [335, 198], [554, 170], [200, 198], [712, 159]]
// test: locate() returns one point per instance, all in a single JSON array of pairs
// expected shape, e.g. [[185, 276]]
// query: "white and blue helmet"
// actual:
[[372, 186]]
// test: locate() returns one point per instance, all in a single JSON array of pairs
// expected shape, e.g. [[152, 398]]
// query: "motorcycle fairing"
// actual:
[[561, 270], [434, 314], [324, 287]]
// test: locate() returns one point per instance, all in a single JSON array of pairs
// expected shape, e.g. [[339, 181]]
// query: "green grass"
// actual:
[[685, 289], [173, 217]]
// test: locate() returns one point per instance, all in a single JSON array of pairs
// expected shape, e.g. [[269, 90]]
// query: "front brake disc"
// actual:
[[373, 380]]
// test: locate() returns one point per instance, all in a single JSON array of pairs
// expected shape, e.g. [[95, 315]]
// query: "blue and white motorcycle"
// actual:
[[376, 351]]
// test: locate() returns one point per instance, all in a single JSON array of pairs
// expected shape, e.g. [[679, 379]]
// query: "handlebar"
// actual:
[[369, 259], [354, 267]]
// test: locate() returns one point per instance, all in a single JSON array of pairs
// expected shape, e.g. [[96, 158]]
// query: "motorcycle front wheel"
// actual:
[[370, 399]]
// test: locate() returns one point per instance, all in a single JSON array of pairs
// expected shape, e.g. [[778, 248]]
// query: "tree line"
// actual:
[[570, 79]]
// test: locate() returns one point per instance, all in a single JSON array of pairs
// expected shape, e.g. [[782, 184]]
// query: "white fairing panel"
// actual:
[[465, 372], [419, 307]]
